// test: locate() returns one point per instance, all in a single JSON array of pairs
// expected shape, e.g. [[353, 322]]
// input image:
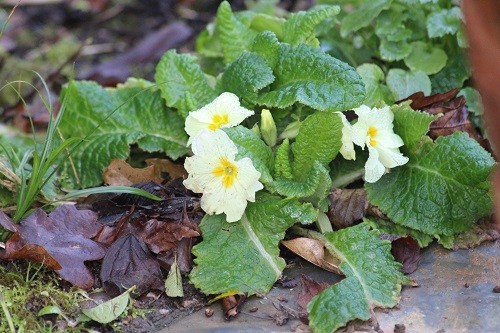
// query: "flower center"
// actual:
[[218, 120], [227, 170], [372, 132]]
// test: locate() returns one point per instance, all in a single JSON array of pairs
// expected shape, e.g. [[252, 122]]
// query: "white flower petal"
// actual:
[[391, 157], [347, 148], [214, 144], [373, 168]]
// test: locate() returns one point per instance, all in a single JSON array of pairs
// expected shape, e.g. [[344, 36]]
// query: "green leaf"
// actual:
[[112, 119], [244, 256], [442, 190], [472, 100], [363, 16], [319, 139], [343, 172], [266, 45], [392, 51], [235, 36], [283, 166], [391, 228], [445, 21], [110, 310], [376, 91], [173, 283], [426, 58], [49, 310], [313, 78], [453, 75], [251, 146], [247, 75], [409, 124], [403, 83], [182, 83], [373, 279], [299, 28]]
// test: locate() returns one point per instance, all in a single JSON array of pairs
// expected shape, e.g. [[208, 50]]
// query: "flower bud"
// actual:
[[268, 128]]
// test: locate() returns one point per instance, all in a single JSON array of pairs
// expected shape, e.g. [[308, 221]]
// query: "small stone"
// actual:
[[466, 285], [496, 289], [209, 312], [282, 299], [164, 311], [254, 309], [399, 328]]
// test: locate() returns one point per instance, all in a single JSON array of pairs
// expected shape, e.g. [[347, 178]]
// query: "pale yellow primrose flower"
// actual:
[[224, 111], [347, 148], [375, 129], [226, 184]]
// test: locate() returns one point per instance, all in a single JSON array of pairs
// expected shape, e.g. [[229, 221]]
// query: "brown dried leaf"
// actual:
[[7, 223], [309, 289], [483, 231], [406, 251], [129, 262], [162, 166], [420, 102], [120, 172], [232, 305], [60, 241], [313, 251]]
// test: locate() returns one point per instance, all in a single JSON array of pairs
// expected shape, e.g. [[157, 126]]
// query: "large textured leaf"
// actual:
[[390, 228], [420, 122], [319, 139], [247, 75], [442, 190], [251, 146], [363, 15], [426, 58], [299, 28], [311, 77], [403, 83], [182, 83], [373, 279], [235, 36], [140, 117], [376, 91], [244, 256]]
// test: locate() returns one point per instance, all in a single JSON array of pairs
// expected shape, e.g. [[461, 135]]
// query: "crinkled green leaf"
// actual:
[[299, 28], [392, 51], [442, 190], [182, 83], [363, 16], [391, 228], [141, 117], [445, 21], [266, 44], [251, 146], [426, 58], [247, 75], [263, 22], [244, 256], [235, 36], [319, 139], [376, 91], [373, 279], [419, 123], [110, 310], [403, 83], [311, 77], [453, 75], [282, 165]]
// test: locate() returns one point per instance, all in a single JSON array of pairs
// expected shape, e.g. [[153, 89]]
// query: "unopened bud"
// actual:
[[291, 131], [268, 128], [256, 129]]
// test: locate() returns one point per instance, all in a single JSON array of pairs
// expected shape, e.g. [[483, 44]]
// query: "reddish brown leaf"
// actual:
[[232, 305], [129, 262], [407, 252], [183, 254], [313, 251], [309, 289], [420, 102], [7, 223], [163, 166], [121, 173], [348, 206], [60, 241]]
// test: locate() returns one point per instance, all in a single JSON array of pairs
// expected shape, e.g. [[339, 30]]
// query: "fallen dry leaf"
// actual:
[[163, 166], [484, 230], [121, 173], [309, 288], [348, 206], [232, 305], [313, 251], [128, 262], [60, 241], [406, 251]]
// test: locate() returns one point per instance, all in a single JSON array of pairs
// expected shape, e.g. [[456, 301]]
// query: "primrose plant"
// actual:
[[262, 116]]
